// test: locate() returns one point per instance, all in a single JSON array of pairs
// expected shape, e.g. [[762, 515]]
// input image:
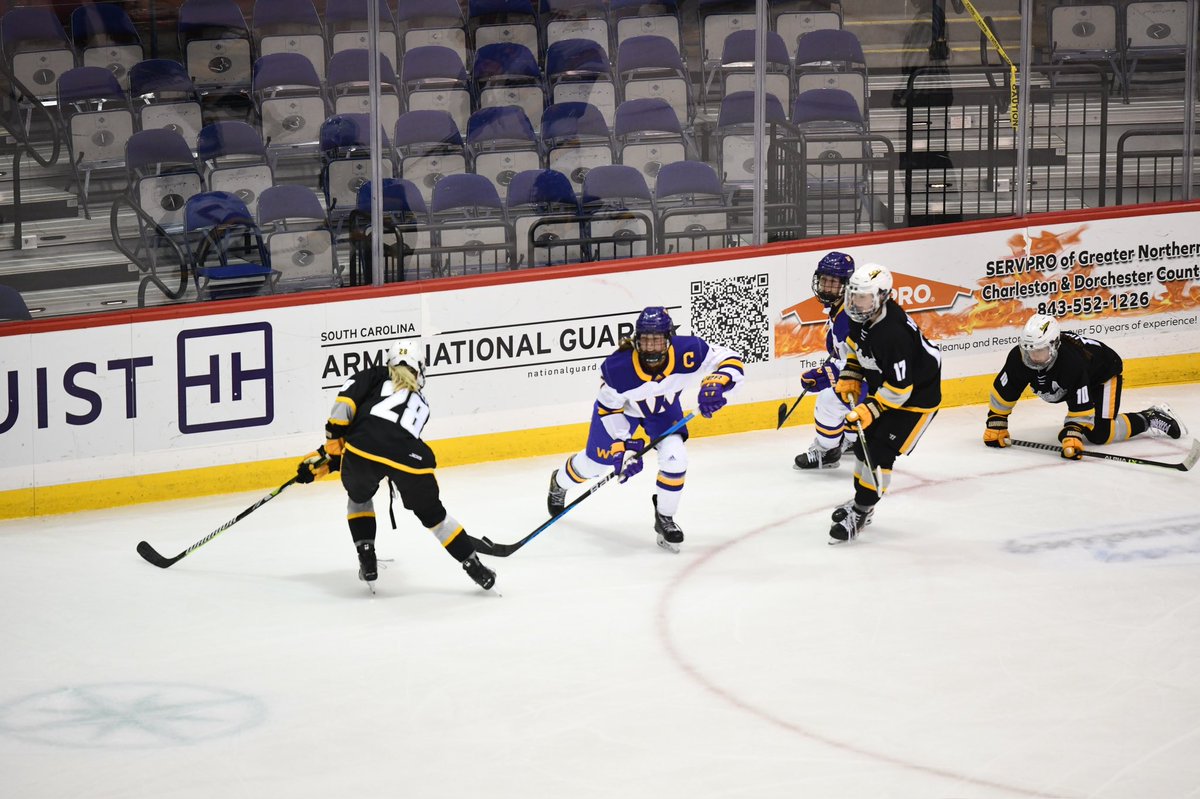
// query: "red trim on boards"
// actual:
[[184, 310]]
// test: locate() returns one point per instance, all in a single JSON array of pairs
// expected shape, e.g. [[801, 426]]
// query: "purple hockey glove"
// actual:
[[819, 379], [712, 393], [630, 465]]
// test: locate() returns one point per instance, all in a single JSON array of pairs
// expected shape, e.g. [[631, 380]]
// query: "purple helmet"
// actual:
[[653, 320], [836, 266]]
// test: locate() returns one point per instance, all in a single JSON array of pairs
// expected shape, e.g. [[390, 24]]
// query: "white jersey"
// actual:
[[629, 391]]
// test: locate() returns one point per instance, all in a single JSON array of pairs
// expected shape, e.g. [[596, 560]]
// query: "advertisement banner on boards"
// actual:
[[207, 388]]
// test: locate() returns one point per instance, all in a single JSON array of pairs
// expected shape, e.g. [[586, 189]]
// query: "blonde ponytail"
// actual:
[[403, 378]]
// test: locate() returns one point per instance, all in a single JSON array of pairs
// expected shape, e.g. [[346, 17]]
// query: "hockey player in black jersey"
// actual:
[[374, 433], [903, 375], [1084, 373]]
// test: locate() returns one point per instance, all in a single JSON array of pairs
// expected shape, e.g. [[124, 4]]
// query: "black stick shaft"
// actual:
[[783, 417], [1186, 465], [152, 556]]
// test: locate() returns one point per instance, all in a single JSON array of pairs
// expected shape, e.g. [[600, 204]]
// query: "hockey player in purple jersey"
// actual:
[[641, 387], [829, 413]]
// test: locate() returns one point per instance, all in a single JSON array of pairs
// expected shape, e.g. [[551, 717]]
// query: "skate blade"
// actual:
[[667, 545], [800, 468]]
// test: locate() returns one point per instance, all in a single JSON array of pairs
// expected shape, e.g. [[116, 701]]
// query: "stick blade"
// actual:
[[153, 557], [1192, 458], [782, 415]]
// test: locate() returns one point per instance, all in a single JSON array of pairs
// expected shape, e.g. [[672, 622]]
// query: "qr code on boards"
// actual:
[[733, 311]]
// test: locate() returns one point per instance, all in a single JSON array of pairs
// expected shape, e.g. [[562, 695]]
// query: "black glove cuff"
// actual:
[[853, 372], [1071, 430], [996, 421]]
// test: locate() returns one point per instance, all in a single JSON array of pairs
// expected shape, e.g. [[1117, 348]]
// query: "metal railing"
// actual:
[[1153, 172], [959, 159]]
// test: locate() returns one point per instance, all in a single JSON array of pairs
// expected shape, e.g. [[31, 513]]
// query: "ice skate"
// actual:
[[817, 458], [556, 498], [1163, 422], [368, 565], [848, 521], [484, 577], [670, 535]]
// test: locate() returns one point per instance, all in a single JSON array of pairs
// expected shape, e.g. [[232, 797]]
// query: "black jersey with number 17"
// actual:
[[384, 424], [903, 369]]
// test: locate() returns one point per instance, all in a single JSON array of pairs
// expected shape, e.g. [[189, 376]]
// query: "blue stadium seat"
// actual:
[[833, 59], [225, 247], [96, 116], [472, 231], [406, 218], [735, 136], [651, 67], [345, 146], [507, 73], [164, 97], [502, 22], [349, 79], [577, 139], [36, 52], [432, 23], [502, 143], [234, 160], [577, 70], [290, 104], [346, 27], [574, 19], [693, 211], [435, 79], [544, 212], [428, 148], [620, 211], [105, 37], [645, 18], [298, 238], [290, 26], [216, 46], [648, 135]]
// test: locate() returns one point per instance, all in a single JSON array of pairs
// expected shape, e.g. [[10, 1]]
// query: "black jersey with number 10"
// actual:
[[1081, 363]]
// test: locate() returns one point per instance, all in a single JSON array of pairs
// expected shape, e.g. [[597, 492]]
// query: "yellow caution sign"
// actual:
[[1012, 84]]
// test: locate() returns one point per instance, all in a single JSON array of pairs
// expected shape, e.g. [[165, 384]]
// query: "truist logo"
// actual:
[[226, 378]]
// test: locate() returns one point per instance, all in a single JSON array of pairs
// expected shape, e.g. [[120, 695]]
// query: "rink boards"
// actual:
[[199, 399]]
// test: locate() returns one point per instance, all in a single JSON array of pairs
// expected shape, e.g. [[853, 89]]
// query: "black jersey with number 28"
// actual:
[[386, 424]]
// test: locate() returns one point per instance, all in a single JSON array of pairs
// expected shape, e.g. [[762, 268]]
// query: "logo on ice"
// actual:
[[226, 379]]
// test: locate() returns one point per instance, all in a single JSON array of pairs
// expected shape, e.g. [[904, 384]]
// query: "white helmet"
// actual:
[[407, 353], [868, 288], [1039, 341]]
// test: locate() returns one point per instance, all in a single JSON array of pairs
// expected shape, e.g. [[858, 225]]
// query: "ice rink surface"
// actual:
[[1011, 625]]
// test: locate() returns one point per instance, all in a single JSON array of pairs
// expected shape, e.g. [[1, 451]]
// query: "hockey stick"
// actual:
[[862, 444], [785, 411], [1187, 463], [504, 550], [152, 556]]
